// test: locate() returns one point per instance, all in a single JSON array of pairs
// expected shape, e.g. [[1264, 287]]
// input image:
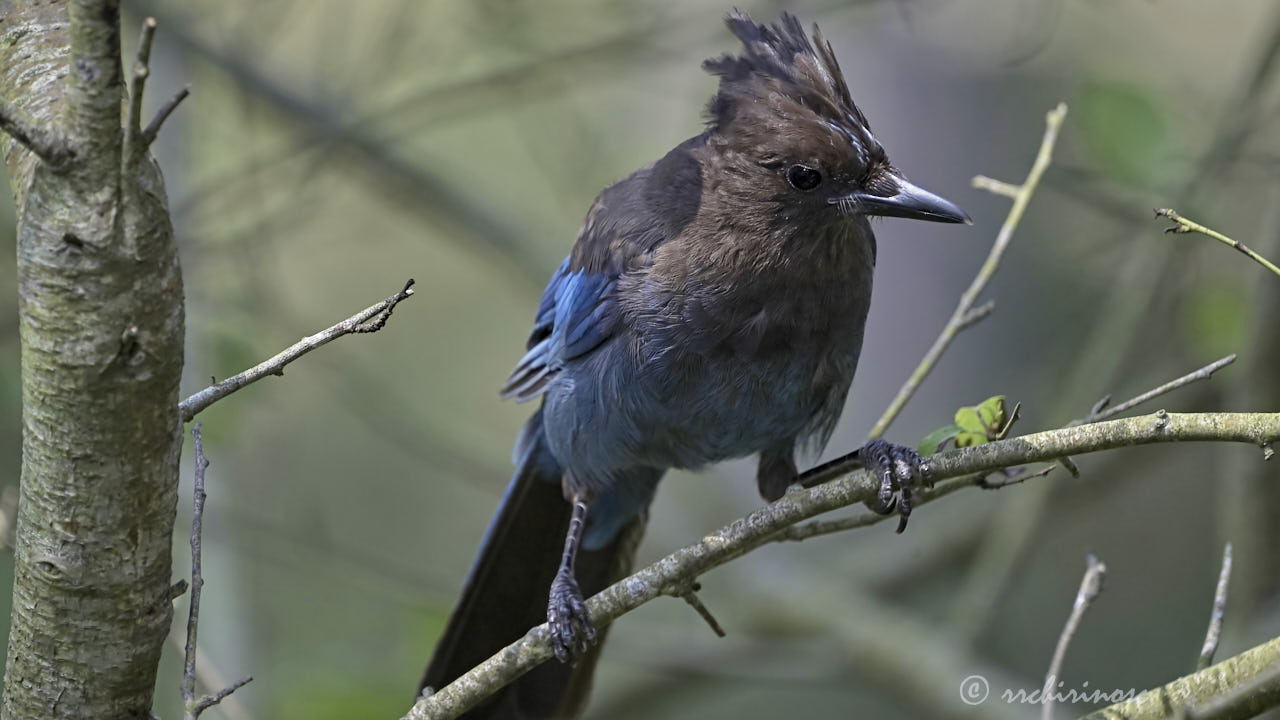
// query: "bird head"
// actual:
[[786, 131]]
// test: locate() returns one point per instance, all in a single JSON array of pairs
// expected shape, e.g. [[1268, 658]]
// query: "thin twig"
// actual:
[[192, 706], [997, 187], [209, 701], [207, 675], [141, 71], [1090, 586], [197, 578], [153, 127], [1183, 225], [1219, 611], [1101, 412], [371, 319], [48, 145], [1053, 121], [765, 524], [1018, 479], [689, 595], [977, 314]]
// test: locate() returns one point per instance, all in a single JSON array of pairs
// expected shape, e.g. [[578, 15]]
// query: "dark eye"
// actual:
[[803, 177]]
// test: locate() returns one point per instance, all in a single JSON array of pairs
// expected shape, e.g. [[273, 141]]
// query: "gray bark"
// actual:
[[101, 325]]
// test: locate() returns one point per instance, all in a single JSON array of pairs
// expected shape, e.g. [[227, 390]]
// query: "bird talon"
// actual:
[[572, 633], [901, 471]]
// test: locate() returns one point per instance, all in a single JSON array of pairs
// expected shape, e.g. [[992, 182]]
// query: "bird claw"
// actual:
[[901, 471], [572, 633]]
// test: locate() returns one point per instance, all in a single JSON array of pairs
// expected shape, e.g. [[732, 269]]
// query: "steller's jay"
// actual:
[[712, 308]]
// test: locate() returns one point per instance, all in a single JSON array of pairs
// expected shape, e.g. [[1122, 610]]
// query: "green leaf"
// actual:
[[936, 439], [981, 423]]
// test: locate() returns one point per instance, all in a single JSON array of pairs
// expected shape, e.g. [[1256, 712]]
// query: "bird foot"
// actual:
[[901, 472], [572, 633]]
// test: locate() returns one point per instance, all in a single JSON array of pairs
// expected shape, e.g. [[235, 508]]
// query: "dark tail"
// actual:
[[506, 591]]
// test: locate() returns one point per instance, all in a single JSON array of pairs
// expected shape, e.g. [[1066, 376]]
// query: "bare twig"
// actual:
[[153, 127], [371, 319], [141, 71], [207, 675], [192, 705], [977, 314], [1100, 410], [209, 701], [766, 524], [689, 594], [1090, 586], [1216, 615], [962, 317], [48, 145], [1018, 479], [1182, 225], [197, 578]]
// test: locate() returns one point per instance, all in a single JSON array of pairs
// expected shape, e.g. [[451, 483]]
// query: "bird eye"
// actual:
[[803, 177]]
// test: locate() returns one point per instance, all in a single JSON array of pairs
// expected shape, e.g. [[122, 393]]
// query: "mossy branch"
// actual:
[[680, 568]]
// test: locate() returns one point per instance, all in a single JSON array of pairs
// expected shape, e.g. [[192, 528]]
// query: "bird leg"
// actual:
[[901, 472], [571, 629]]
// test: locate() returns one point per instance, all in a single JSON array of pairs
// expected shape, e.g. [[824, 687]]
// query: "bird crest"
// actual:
[[779, 69]]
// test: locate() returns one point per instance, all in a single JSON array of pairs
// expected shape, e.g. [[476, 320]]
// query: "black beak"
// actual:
[[906, 201]]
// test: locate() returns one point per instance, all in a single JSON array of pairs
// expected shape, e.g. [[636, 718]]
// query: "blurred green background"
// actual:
[[331, 149]]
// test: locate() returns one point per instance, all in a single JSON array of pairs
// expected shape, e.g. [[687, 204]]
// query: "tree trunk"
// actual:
[[101, 313]]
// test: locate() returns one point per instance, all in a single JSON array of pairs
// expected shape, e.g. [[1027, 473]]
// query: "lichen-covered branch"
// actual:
[[371, 319], [680, 568], [1236, 688]]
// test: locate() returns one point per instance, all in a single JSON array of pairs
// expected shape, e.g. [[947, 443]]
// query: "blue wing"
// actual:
[[579, 310], [577, 313]]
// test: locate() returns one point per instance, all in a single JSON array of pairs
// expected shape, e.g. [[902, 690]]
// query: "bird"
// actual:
[[712, 307]]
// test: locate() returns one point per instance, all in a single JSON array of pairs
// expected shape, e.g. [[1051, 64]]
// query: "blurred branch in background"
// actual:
[[1090, 586], [1214, 633]]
